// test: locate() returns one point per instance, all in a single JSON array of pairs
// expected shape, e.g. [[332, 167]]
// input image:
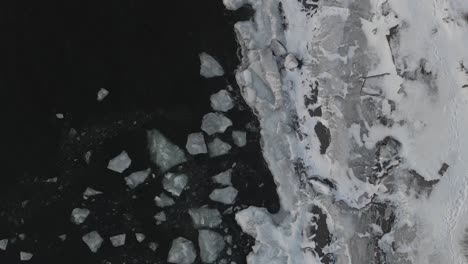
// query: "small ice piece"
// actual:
[[120, 163], [213, 123], [59, 116], [79, 215], [175, 183], [221, 101], [51, 180], [217, 147], [223, 178], [63, 237], [137, 178], [162, 152], [277, 48], [101, 94], [118, 240], [211, 244], [163, 200], [182, 251], [209, 67], [90, 192], [160, 217], [290, 62], [153, 246], [140, 237], [196, 144], [205, 217], [93, 240], [25, 256], [226, 195], [87, 157], [239, 138], [3, 244]]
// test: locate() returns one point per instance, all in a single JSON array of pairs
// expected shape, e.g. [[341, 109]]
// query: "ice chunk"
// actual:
[[209, 67], [160, 217], [196, 144], [217, 147], [87, 157], [120, 163], [290, 62], [162, 152], [211, 244], [153, 246], [137, 178], [175, 183], [63, 237], [118, 240], [182, 251], [163, 200], [277, 48], [223, 178], [213, 123], [51, 180], [93, 240], [59, 116], [239, 138], [226, 195], [25, 256], [90, 192], [205, 217], [221, 101], [3, 244], [140, 237], [101, 94], [79, 215]]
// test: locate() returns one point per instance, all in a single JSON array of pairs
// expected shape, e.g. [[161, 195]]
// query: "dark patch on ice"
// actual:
[[315, 112], [465, 16], [464, 244], [319, 233], [284, 20], [421, 185], [309, 6], [313, 97], [392, 39], [443, 169], [465, 86], [323, 133]]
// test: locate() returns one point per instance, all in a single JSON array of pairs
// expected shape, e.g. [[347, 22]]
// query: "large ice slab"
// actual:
[[211, 244], [205, 217], [196, 144], [182, 251], [217, 147], [221, 101], [164, 200], [93, 240], [213, 123], [79, 215], [137, 178], [118, 240], [163, 152], [120, 163], [209, 67], [225, 195], [239, 138], [175, 183], [223, 178]]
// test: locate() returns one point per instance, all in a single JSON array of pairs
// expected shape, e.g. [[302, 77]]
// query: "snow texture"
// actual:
[[196, 144], [137, 178], [217, 147], [221, 101], [211, 244], [223, 178], [209, 67], [174, 183], [79, 215], [205, 217], [118, 240], [225, 195], [182, 251], [163, 152], [213, 123], [120, 163], [93, 240]]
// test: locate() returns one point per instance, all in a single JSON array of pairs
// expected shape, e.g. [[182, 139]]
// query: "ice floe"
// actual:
[[211, 244], [221, 101], [89, 192], [175, 183], [223, 178], [160, 217], [164, 200], [196, 144], [213, 123], [25, 256], [118, 240], [205, 217], [101, 94], [93, 240], [137, 178], [120, 163], [209, 67], [163, 152], [225, 195], [3, 244], [217, 147], [182, 251], [140, 237], [239, 138], [79, 215]]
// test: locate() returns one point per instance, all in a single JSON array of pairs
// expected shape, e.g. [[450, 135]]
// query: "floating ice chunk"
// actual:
[[163, 200], [290, 62], [59, 116], [160, 217], [175, 183], [120, 163], [137, 178], [209, 67], [51, 180], [223, 178], [234, 4], [3, 244], [63, 237], [90, 192], [101, 94], [239, 138], [205, 217], [153, 246], [118, 240], [162, 152], [226, 195], [196, 144], [140, 237], [277, 48], [215, 123], [87, 157], [221, 101], [217, 147], [211, 244], [93, 240], [79, 215], [25, 256], [182, 251]]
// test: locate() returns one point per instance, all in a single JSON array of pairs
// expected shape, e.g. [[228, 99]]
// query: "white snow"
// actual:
[[239, 138], [225, 195], [209, 67], [182, 251], [164, 200], [175, 183], [93, 240], [217, 147], [211, 244], [4, 244], [137, 178], [140, 237], [163, 152], [196, 144], [101, 94], [118, 240], [213, 123], [221, 101], [160, 217], [25, 256], [79, 215], [89, 192], [223, 178], [205, 217], [120, 163]]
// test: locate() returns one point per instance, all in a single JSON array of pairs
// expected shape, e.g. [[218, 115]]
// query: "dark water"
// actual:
[[146, 54]]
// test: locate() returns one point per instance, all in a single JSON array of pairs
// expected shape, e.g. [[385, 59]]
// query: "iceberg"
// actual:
[[120, 163], [196, 144], [221, 101], [89, 192], [205, 217], [182, 251], [217, 147], [209, 67], [162, 152], [211, 244], [226, 195], [175, 183], [160, 217], [213, 123]]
